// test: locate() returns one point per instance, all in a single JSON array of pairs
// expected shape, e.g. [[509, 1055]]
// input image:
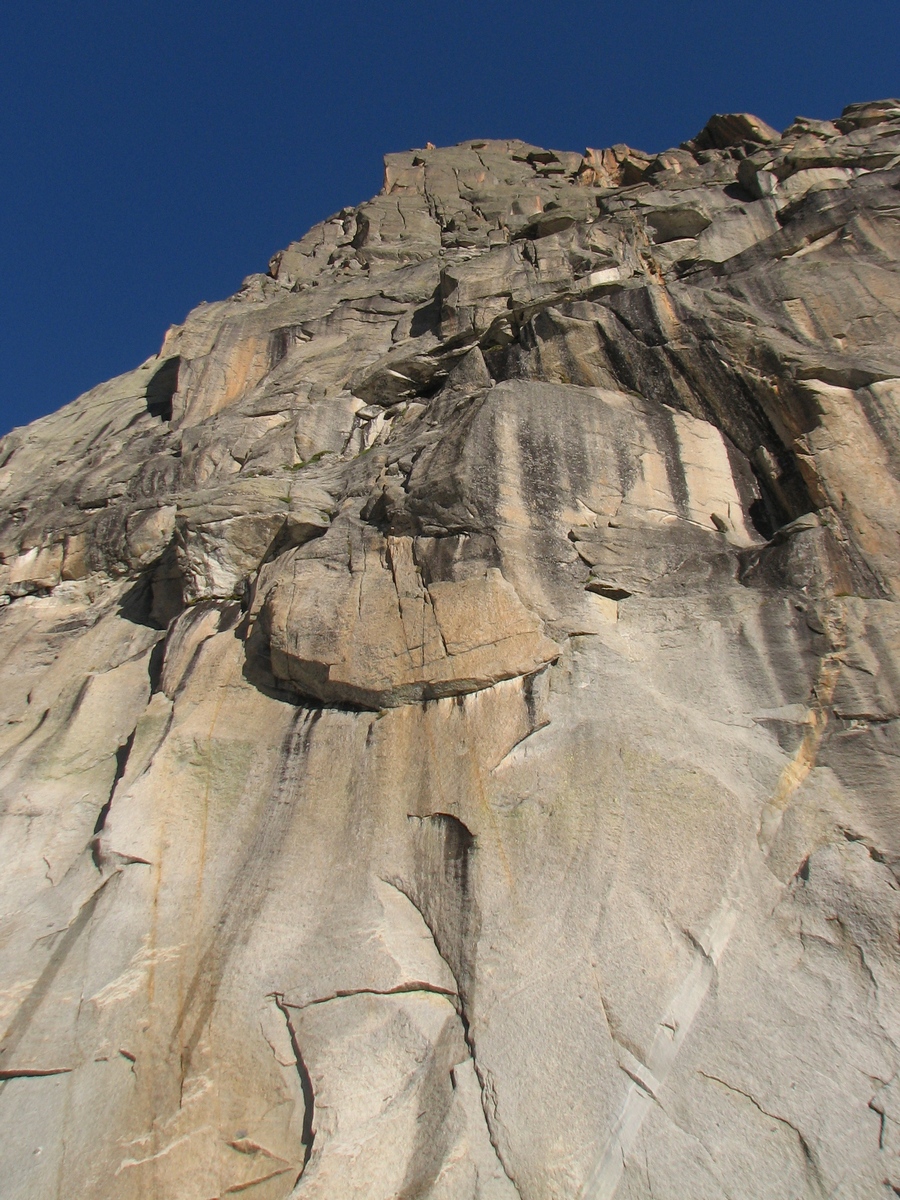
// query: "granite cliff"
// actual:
[[450, 700]]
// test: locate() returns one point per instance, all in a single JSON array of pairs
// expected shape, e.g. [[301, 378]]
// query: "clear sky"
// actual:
[[156, 153]]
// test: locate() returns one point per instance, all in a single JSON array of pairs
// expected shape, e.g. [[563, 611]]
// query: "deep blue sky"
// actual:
[[156, 153]]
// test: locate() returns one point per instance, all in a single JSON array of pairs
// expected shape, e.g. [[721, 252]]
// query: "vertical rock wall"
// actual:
[[450, 700]]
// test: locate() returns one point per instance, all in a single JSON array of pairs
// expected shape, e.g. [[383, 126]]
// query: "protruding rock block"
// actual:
[[366, 629]]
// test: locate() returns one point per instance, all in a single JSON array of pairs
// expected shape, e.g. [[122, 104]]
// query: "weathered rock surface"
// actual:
[[450, 700]]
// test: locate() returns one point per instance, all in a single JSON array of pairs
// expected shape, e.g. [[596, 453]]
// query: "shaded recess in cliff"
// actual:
[[161, 389]]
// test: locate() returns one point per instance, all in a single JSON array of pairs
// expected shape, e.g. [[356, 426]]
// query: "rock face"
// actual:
[[450, 700]]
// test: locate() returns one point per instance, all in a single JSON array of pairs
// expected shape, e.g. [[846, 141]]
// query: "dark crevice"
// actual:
[[161, 389], [761, 518], [427, 318], [736, 192], [866, 717], [137, 603], [122, 754], [460, 842], [874, 853], [763, 511], [155, 665], [34, 1073], [282, 340], [402, 989], [287, 539], [445, 847], [308, 1132], [531, 704]]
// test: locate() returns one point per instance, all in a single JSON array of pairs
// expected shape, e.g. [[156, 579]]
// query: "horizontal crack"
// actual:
[[33, 1073], [399, 990]]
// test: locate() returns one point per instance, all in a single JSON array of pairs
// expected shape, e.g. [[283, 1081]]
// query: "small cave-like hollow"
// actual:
[[161, 388]]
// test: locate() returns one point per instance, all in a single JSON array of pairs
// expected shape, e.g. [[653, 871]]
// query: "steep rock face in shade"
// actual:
[[450, 701]]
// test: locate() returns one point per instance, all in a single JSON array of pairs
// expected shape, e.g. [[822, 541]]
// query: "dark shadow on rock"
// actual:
[[161, 388]]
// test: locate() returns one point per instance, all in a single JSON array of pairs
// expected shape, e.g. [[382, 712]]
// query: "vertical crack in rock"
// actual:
[[444, 891], [816, 720], [122, 755], [308, 1131], [443, 895], [411, 988]]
